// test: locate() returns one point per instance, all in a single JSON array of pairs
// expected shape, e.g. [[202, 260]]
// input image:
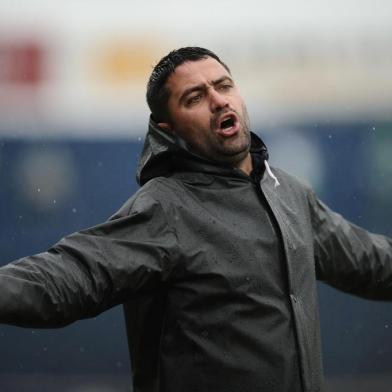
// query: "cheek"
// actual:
[[185, 126], [239, 104], [196, 118]]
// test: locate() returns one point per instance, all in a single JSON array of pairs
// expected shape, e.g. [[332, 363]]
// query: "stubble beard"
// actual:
[[232, 151]]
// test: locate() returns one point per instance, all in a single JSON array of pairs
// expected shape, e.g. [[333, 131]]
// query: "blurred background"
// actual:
[[317, 80]]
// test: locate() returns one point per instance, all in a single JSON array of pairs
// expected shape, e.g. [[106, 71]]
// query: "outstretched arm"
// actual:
[[349, 257], [92, 270]]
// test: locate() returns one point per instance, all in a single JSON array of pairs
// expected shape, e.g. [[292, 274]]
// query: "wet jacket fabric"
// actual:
[[216, 270]]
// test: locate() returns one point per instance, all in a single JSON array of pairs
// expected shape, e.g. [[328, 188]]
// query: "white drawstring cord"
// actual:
[[272, 175]]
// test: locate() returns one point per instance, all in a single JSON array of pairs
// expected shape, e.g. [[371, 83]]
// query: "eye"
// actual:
[[193, 99], [224, 87]]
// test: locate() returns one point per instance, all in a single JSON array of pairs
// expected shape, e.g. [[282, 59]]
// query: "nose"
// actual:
[[217, 100]]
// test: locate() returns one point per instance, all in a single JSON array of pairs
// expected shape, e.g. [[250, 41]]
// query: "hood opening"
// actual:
[[164, 153]]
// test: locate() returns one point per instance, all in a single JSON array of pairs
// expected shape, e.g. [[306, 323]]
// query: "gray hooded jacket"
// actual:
[[216, 270]]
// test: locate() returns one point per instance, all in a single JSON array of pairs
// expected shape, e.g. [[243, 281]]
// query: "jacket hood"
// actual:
[[162, 152]]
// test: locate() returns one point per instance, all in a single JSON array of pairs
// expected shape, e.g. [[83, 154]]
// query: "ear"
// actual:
[[165, 126]]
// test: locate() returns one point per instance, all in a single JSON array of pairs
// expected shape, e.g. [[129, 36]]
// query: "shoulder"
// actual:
[[290, 182], [292, 192], [155, 194]]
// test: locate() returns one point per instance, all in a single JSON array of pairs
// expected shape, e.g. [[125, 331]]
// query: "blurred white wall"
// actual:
[[80, 68]]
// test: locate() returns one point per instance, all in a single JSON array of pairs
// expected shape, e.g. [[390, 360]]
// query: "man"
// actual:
[[215, 258]]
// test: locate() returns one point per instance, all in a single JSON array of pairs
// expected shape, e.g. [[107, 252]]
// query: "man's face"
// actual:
[[207, 111]]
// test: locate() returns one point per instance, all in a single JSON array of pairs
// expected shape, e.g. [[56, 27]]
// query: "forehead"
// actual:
[[193, 73]]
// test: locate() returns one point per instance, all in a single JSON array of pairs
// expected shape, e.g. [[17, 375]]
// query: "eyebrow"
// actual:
[[200, 87]]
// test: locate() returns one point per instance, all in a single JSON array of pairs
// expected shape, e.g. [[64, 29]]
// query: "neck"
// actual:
[[246, 165]]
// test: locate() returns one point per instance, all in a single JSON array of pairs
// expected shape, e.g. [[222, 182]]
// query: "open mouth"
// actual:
[[227, 123]]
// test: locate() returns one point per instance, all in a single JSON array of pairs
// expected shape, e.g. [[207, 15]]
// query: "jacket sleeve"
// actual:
[[349, 257], [91, 270]]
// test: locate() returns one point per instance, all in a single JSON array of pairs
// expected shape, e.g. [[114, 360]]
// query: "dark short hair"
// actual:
[[157, 92]]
